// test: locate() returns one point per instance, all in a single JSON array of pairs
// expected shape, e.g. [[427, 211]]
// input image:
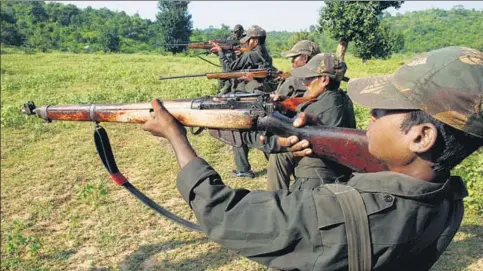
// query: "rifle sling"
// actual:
[[204, 59], [356, 226], [103, 147]]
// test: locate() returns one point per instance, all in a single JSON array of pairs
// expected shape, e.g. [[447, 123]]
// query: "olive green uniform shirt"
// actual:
[[305, 229], [258, 58], [291, 87], [333, 108]]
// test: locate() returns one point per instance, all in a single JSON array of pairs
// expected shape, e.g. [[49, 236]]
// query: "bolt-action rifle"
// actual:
[[228, 45], [255, 73], [226, 118]]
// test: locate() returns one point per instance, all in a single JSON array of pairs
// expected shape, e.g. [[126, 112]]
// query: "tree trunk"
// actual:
[[341, 48]]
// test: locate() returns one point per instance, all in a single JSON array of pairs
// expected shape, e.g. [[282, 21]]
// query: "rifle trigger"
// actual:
[[197, 132]]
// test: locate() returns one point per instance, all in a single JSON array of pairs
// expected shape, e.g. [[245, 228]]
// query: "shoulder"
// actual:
[[293, 83]]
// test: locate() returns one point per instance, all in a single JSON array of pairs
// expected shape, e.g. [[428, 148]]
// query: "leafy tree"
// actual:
[[380, 44], [67, 14], [9, 34], [175, 23], [110, 40], [435, 28], [348, 21], [298, 36], [37, 12]]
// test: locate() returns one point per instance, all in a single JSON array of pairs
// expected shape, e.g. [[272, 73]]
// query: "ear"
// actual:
[[305, 58], [317, 87], [422, 137], [323, 81], [256, 41]]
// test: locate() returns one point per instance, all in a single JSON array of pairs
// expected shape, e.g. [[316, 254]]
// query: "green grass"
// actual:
[[60, 211]]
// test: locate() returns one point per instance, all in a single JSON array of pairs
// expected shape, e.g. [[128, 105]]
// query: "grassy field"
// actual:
[[60, 211]]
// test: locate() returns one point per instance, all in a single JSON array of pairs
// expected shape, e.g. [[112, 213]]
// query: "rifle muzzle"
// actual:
[[30, 109]]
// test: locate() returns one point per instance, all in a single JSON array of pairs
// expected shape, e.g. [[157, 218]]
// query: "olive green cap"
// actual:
[[254, 31], [322, 64], [303, 47], [446, 83], [238, 28]]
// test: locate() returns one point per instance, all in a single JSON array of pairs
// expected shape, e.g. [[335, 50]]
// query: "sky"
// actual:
[[271, 15]]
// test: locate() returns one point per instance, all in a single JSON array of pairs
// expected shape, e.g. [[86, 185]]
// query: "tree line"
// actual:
[[40, 26]]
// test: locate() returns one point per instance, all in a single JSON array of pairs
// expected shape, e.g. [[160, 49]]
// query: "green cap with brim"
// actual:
[[446, 84], [303, 47], [237, 28], [254, 31], [322, 64]]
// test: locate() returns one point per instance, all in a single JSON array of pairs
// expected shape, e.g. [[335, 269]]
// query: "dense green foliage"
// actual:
[[435, 28], [55, 26], [175, 24], [360, 22], [39, 26]]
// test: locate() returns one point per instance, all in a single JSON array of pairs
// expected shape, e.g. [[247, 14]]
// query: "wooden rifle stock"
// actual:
[[343, 145]]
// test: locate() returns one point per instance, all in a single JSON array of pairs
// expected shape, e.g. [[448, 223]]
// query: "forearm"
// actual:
[[183, 150]]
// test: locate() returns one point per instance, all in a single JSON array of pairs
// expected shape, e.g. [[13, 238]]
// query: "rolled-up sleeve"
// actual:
[[265, 226]]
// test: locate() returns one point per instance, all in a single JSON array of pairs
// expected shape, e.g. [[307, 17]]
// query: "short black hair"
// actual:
[[451, 146]]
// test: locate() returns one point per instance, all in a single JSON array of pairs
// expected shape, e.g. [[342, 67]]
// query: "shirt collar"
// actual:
[[402, 185]]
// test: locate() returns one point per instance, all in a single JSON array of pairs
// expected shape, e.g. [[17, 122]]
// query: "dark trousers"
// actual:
[[241, 158], [224, 86], [280, 167]]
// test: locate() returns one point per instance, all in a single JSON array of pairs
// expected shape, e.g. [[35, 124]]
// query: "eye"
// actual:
[[308, 80], [377, 113]]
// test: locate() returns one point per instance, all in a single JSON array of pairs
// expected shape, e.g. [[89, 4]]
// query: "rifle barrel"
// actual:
[[182, 76], [176, 44]]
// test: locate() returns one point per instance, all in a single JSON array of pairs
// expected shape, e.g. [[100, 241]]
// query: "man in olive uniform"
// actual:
[[226, 84], [256, 57], [299, 55], [332, 108], [426, 118]]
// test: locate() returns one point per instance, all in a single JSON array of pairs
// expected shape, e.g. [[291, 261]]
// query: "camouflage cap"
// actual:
[[238, 28], [253, 32], [322, 64], [446, 84], [303, 47]]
